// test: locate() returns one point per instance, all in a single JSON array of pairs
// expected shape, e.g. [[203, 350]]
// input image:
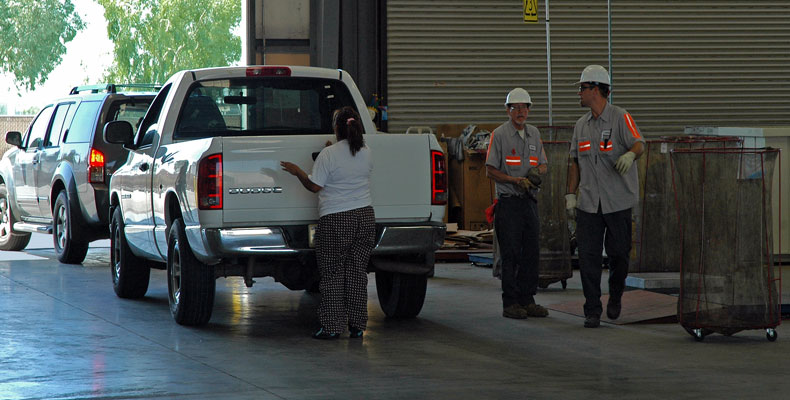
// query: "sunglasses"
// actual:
[[583, 87], [519, 107]]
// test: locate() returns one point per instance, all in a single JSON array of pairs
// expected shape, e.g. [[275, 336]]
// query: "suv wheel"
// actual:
[[190, 283], [130, 274], [10, 240], [68, 249]]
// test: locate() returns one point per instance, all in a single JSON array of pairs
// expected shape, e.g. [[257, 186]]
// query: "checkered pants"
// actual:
[[344, 242]]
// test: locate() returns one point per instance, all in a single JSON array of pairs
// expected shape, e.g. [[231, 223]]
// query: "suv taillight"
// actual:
[[438, 178], [96, 167], [209, 183]]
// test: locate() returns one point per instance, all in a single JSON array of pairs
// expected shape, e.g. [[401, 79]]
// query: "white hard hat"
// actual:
[[518, 95], [595, 73]]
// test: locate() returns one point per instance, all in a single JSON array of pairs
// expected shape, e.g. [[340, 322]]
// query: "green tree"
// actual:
[[155, 38], [33, 35]]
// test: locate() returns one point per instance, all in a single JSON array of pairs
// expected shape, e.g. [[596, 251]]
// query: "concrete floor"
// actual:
[[65, 335]]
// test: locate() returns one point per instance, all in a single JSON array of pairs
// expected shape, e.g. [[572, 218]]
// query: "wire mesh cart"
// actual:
[[728, 278], [654, 219], [555, 249]]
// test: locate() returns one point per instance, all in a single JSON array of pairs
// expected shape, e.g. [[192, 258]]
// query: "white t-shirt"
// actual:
[[345, 179]]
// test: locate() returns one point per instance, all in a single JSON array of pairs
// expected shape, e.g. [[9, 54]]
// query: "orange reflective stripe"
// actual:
[[512, 160], [490, 140], [632, 126], [533, 161], [606, 146], [584, 146]]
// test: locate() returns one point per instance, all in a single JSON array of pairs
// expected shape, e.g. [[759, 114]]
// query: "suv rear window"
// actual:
[[131, 111], [83, 123], [261, 106]]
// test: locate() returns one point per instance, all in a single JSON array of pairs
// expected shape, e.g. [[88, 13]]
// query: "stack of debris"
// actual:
[[467, 240]]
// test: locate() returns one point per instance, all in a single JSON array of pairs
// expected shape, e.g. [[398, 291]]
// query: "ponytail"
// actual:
[[348, 126]]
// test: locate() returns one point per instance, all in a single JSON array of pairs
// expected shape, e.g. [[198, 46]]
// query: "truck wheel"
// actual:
[[130, 274], [190, 283], [68, 249], [401, 295], [10, 240]]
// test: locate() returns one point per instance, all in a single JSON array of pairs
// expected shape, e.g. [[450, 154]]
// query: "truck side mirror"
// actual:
[[119, 132], [14, 138]]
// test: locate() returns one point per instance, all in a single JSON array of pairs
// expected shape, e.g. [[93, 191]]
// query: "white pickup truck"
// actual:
[[202, 193]]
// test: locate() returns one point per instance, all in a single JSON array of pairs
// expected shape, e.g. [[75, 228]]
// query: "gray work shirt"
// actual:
[[597, 144], [511, 154]]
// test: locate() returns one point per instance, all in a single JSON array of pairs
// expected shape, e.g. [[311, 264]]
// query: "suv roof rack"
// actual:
[[113, 88]]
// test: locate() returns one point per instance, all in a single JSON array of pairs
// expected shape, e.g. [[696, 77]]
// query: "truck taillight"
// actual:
[[96, 167], [438, 178], [209, 183], [269, 71]]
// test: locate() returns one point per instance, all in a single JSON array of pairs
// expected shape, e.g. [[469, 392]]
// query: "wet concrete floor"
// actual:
[[65, 335]]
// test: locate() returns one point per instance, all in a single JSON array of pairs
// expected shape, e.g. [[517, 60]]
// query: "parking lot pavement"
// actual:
[[65, 335]]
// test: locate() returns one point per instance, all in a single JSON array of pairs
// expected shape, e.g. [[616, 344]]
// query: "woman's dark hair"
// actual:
[[348, 126]]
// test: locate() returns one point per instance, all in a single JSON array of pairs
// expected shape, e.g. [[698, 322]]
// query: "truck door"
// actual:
[[49, 157], [136, 199], [27, 162]]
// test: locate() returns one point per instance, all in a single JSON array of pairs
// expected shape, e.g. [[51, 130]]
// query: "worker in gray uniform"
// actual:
[[515, 161], [605, 143]]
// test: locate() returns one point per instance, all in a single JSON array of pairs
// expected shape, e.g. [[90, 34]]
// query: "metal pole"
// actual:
[[609, 11], [548, 59]]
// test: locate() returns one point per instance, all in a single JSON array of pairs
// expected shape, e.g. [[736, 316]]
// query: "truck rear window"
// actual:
[[261, 106]]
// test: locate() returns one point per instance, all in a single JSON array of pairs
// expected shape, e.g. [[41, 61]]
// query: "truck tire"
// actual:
[[190, 283], [130, 274], [67, 247], [401, 295], [10, 240]]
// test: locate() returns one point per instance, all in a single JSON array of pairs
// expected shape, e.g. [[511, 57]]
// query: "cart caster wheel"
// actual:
[[564, 284], [698, 334], [770, 333]]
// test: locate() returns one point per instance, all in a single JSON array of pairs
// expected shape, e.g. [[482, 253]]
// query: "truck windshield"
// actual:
[[261, 106]]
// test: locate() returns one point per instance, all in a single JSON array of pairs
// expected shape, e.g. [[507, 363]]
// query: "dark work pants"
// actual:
[[590, 232], [517, 230]]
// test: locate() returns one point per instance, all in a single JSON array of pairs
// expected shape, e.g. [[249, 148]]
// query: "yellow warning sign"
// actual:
[[530, 10]]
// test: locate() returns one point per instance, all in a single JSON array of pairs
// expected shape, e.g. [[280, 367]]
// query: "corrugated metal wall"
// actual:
[[675, 63]]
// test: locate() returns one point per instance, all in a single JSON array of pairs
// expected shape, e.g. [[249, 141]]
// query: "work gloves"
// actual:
[[532, 181], [526, 184], [624, 162], [570, 205]]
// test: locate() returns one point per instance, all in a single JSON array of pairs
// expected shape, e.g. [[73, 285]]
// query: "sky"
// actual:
[[86, 58]]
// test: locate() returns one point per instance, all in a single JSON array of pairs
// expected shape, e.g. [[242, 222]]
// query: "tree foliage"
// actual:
[[33, 35], [155, 38]]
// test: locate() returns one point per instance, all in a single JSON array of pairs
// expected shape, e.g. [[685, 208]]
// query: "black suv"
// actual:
[[56, 180]]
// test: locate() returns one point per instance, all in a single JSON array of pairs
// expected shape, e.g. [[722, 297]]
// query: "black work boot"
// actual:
[[613, 307], [592, 321]]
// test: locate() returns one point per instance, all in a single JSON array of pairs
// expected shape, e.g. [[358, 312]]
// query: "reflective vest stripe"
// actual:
[[533, 161], [584, 146], [512, 160], [632, 126], [604, 146], [490, 140]]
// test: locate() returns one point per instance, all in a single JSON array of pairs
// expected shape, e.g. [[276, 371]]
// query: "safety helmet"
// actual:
[[518, 95], [595, 73]]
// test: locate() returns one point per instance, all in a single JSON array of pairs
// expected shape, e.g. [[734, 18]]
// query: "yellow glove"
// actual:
[[624, 162], [526, 184], [570, 205]]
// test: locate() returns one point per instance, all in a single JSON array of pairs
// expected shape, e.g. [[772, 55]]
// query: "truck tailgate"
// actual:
[[258, 192]]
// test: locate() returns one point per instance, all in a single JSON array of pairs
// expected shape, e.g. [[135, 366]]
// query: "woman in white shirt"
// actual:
[[346, 226]]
